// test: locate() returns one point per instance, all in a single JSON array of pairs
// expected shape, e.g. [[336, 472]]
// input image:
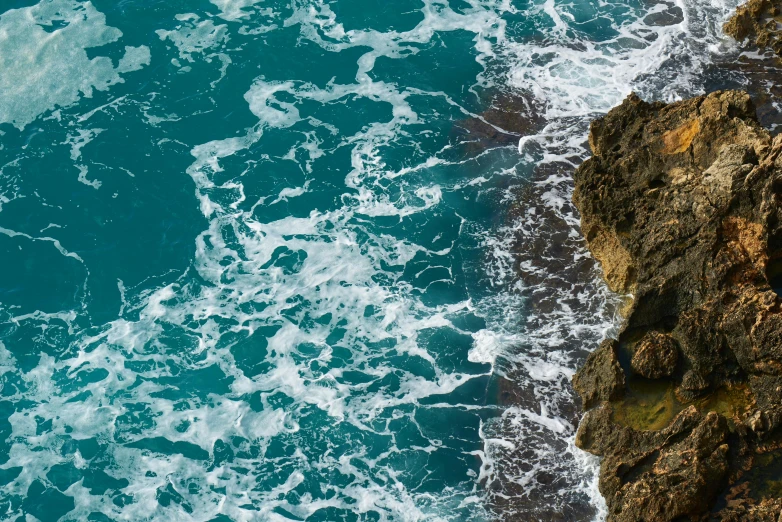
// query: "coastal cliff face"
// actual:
[[757, 20], [680, 204]]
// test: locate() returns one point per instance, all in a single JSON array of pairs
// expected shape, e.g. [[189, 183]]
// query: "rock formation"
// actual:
[[757, 19], [680, 204]]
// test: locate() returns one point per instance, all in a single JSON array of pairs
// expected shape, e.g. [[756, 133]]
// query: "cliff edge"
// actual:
[[680, 204]]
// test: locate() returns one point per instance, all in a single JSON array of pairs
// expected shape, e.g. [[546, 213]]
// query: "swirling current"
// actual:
[[309, 260]]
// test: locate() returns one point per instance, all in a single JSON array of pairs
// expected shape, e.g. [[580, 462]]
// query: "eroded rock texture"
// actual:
[[758, 20], [680, 204]]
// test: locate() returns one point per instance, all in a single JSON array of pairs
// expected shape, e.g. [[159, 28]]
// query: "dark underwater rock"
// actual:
[[507, 118], [680, 204]]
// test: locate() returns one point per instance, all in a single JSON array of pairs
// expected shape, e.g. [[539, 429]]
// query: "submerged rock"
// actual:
[[501, 125], [680, 204]]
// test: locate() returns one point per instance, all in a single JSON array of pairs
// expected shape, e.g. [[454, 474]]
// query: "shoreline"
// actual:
[[679, 206]]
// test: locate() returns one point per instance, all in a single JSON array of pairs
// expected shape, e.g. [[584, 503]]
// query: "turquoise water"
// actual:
[[258, 263]]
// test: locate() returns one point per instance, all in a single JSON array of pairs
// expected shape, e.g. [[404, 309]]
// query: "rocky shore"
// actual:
[[680, 204]]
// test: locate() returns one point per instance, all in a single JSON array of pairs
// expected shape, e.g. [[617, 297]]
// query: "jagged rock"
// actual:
[[601, 378], [656, 476], [768, 510], [680, 204], [692, 386], [757, 19], [655, 356]]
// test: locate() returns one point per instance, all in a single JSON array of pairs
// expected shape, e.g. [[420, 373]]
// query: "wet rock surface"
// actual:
[[680, 204]]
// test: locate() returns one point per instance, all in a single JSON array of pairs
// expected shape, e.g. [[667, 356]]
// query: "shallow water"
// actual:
[[653, 404], [259, 261]]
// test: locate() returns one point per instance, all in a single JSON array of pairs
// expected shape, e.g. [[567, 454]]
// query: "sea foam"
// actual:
[[351, 337]]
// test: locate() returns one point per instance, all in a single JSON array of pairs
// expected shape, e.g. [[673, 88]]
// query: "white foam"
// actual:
[[234, 10], [488, 346], [574, 76], [43, 70], [195, 38], [316, 276]]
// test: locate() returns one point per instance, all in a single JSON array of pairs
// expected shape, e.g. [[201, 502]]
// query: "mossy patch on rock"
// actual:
[[651, 404]]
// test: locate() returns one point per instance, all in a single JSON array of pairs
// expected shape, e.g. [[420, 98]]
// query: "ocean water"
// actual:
[[282, 261]]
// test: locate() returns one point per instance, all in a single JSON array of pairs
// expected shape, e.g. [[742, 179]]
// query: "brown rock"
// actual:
[[756, 20], [680, 204], [658, 476], [655, 356], [601, 378]]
